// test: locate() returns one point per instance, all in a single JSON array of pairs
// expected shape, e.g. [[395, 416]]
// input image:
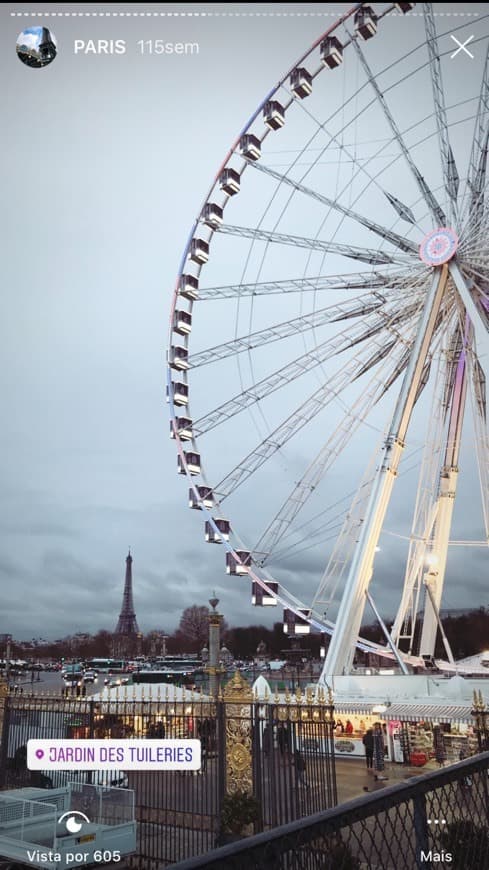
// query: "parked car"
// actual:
[[73, 679], [73, 675]]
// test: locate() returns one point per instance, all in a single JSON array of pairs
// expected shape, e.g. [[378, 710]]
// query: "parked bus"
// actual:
[[106, 666]]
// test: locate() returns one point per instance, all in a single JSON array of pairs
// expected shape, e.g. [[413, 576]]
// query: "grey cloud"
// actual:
[[86, 464]]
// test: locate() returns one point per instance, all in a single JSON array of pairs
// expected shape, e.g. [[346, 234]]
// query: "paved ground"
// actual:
[[353, 777]]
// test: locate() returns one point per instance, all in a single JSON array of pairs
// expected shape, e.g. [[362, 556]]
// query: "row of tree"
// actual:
[[468, 634]]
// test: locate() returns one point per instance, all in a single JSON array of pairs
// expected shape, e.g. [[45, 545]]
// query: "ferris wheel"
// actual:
[[337, 277]]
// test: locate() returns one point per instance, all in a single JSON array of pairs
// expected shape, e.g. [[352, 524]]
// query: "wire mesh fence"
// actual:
[[440, 818]]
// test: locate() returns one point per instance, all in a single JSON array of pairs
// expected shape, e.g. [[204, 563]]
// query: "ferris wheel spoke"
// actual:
[[321, 533], [478, 269], [395, 239], [361, 306], [334, 572], [481, 326], [479, 414], [483, 300], [353, 281], [450, 174], [474, 231], [479, 380], [315, 537], [301, 533], [478, 157], [479, 278], [286, 430], [352, 419], [426, 192], [348, 338], [367, 255], [474, 256]]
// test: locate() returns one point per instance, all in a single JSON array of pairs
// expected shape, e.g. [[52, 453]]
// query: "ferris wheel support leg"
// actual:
[[446, 643], [412, 580], [342, 647], [390, 642], [435, 576]]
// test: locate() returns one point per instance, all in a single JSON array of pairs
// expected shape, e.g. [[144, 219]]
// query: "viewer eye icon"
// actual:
[[73, 824]]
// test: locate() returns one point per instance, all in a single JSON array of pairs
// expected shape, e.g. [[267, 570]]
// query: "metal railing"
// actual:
[[437, 819], [253, 746]]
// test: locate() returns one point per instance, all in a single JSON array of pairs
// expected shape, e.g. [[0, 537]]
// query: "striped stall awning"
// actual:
[[428, 712], [361, 708]]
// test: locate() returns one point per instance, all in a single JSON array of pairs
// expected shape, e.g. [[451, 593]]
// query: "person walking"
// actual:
[[300, 769], [466, 782], [203, 731], [368, 742], [283, 739], [379, 750]]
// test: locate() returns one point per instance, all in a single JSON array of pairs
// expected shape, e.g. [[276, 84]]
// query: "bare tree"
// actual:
[[194, 626]]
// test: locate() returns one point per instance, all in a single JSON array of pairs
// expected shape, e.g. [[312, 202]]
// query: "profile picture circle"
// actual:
[[36, 46]]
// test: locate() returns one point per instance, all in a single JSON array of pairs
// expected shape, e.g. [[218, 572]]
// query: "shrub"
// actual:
[[239, 810]]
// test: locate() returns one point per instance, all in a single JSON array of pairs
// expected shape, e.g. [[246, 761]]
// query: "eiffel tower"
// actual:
[[126, 635]]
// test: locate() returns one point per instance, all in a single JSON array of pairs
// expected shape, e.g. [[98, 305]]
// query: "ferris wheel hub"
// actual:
[[439, 246]]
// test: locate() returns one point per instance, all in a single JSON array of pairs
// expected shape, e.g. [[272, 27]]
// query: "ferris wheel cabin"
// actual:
[[222, 534], [183, 427], [192, 460], [365, 22], [229, 181], [179, 358], [199, 251], [294, 624], [301, 83], [404, 7], [188, 287], [261, 597], [182, 322], [274, 115], [250, 146], [241, 565], [204, 498], [213, 215], [331, 52], [180, 393]]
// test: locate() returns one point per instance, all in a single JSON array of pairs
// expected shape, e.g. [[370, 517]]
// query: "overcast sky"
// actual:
[[107, 159]]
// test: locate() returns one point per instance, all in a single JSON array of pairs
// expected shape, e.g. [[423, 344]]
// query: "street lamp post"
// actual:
[[164, 638], [213, 668]]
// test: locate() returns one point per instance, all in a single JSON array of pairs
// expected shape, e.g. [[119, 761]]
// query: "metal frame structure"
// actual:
[[421, 304]]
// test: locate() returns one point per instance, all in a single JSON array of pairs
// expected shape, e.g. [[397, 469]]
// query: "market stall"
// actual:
[[422, 734], [352, 721]]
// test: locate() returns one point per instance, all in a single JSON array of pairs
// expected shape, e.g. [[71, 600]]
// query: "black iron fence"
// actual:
[[280, 753], [294, 764], [438, 819]]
